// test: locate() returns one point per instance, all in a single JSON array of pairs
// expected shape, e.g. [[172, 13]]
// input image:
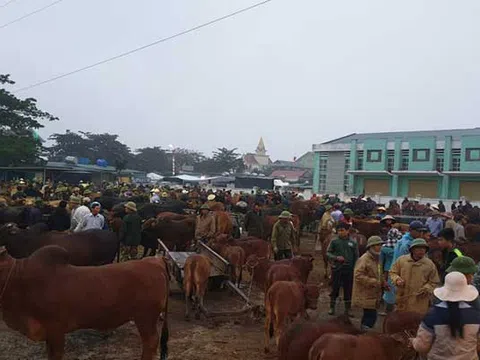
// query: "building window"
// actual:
[[405, 159], [456, 154], [359, 160], [390, 160], [421, 154], [346, 176], [440, 160], [322, 184], [472, 154], [374, 155]]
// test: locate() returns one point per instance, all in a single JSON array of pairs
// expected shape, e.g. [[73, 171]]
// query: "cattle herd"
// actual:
[[96, 292]]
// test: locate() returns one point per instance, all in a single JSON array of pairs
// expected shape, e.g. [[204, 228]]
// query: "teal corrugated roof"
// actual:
[[405, 135]]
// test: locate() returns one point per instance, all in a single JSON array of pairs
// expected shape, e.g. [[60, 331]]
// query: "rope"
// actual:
[[7, 281]]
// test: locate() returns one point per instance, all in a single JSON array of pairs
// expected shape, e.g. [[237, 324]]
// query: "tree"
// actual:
[[152, 159], [91, 146], [228, 160], [19, 142]]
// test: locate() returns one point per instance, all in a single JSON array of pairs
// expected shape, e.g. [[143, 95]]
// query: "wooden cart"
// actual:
[[220, 273]]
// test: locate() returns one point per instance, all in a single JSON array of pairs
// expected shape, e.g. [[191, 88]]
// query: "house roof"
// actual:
[[288, 174], [291, 164], [405, 135], [250, 159]]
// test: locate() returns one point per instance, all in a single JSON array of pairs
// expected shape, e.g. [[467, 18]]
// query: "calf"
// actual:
[[235, 255], [398, 321], [44, 298], [253, 246], [195, 280], [284, 301], [281, 272], [299, 336], [368, 346]]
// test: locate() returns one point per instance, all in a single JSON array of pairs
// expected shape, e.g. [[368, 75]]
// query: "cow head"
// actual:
[[149, 224], [311, 292], [6, 231]]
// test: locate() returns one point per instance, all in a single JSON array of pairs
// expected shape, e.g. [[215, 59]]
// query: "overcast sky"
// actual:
[[295, 72]]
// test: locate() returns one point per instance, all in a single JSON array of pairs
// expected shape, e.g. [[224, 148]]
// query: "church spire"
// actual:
[[261, 148]]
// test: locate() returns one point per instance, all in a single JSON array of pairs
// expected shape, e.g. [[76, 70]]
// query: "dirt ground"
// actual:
[[230, 338]]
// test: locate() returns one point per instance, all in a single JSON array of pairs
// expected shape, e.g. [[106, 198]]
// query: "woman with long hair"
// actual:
[[450, 331]]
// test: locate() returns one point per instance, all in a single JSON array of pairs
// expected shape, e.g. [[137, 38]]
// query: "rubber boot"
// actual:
[[347, 309], [332, 308]]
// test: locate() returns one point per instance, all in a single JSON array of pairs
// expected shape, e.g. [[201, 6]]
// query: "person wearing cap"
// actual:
[[283, 237], [450, 329], [415, 276], [343, 253], [402, 247], [347, 217], [381, 212], [94, 220], [204, 226], [368, 282], [435, 224], [386, 258], [449, 250], [325, 227], [254, 222], [131, 231]]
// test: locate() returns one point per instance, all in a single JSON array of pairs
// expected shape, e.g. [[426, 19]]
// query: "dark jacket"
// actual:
[[346, 248], [131, 233], [254, 224], [59, 220]]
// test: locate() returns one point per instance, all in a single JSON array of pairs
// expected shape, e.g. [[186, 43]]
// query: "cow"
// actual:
[[258, 267], [235, 255], [195, 281], [86, 248], [334, 346], [398, 321], [251, 246], [44, 298], [223, 223], [171, 216], [472, 232], [284, 301], [175, 234], [367, 227], [299, 336], [281, 272]]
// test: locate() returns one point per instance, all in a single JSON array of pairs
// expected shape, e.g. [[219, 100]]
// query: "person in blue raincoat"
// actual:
[[386, 259]]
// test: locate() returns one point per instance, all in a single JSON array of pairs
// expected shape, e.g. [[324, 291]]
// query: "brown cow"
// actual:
[[472, 231], [223, 223], [299, 336], [284, 301], [368, 346], [196, 273], [235, 255], [44, 298], [172, 216], [367, 227], [398, 321], [175, 234], [253, 246], [281, 272]]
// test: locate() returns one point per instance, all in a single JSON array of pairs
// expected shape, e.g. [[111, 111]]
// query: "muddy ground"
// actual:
[[226, 338]]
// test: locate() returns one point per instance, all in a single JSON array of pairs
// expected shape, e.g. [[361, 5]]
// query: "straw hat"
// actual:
[[131, 206], [388, 217], [456, 289], [211, 197], [75, 200], [374, 240], [285, 215], [381, 208], [434, 207]]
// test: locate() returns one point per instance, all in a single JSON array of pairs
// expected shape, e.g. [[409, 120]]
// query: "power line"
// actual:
[[129, 52], [7, 3], [29, 14]]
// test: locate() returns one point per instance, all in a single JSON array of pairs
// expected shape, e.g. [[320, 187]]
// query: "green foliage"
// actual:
[[19, 143], [152, 159]]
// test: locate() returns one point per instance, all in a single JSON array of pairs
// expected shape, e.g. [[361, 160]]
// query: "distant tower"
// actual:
[[261, 148]]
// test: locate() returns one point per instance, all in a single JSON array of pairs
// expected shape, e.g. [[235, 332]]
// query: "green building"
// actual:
[[433, 164]]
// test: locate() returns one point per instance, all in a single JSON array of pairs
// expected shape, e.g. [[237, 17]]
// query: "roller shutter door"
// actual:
[[377, 186], [470, 189], [424, 188]]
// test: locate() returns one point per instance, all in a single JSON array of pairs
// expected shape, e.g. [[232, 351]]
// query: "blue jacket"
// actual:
[[402, 247]]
